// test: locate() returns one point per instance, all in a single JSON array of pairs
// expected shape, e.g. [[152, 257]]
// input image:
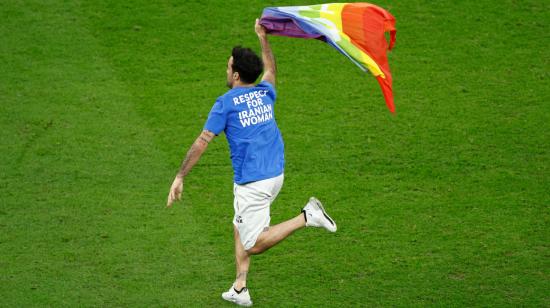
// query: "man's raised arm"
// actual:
[[270, 69], [192, 157]]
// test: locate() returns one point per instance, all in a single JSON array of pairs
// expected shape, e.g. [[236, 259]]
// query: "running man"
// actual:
[[246, 114]]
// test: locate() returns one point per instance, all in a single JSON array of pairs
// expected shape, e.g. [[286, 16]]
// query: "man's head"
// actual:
[[243, 67]]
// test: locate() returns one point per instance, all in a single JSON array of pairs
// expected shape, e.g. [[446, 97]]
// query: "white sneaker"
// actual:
[[240, 298], [316, 216]]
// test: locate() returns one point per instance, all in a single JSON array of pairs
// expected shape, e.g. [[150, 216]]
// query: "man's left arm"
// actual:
[[193, 155], [270, 68]]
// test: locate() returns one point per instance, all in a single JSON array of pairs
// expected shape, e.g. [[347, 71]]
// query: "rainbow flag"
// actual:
[[357, 30]]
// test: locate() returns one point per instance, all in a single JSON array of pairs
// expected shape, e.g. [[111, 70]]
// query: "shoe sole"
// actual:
[[320, 206], [232, 300]]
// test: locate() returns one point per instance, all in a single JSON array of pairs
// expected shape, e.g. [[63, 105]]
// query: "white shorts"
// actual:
[[252, 202]]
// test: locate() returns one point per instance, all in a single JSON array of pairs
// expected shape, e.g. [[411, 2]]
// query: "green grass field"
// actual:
[[444, 204]]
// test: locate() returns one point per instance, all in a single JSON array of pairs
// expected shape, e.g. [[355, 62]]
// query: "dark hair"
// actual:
[[247, 64]]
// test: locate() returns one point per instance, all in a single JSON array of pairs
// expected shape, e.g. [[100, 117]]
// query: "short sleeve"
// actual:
[[271, 89], [217, 118]]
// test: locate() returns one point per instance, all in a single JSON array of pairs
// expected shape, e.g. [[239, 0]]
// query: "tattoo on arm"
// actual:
[[204, 139]]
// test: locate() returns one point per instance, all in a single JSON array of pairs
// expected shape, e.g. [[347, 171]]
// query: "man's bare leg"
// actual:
[[266, 240], [277, 233], [242, 262]]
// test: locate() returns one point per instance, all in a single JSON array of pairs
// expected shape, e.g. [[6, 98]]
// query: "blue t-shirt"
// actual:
[[247, 117]]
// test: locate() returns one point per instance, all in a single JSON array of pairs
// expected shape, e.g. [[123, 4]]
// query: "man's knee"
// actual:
[[256, 249], [260, 245]]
